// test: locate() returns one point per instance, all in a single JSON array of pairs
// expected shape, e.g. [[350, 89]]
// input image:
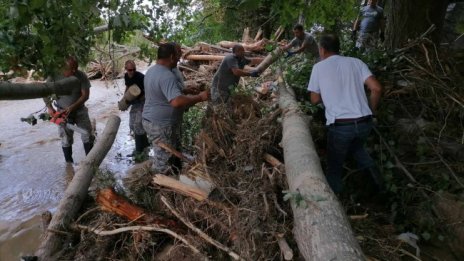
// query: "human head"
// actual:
[[298, 31], [372, 2], [178, 51], [130, 68], [329, 44], [70, 67], [238, 50], [167, 55]]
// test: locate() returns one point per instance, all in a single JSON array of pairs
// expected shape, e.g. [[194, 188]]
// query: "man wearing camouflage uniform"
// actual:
[[73, 106], [164, 105]]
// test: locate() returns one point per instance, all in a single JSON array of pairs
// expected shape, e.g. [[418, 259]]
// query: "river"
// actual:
[[33, 173]]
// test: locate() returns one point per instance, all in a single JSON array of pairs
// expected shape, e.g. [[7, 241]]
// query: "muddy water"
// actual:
[[32, 170]]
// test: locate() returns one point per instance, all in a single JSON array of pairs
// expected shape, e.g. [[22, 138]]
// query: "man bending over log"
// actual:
[[164, 105], [339, 82], [229, 73], [303, 41], [73, 110]]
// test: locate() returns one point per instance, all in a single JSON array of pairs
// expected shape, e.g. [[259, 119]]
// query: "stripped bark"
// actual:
[[76, 192], [322, 230], [23, 91], [270, 58]]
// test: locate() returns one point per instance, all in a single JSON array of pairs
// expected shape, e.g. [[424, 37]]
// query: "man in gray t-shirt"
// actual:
[[303, 41], [228, 74], [73, 107], [370, 24], [164, 105]]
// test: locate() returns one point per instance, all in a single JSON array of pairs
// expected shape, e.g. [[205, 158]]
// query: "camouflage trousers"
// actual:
[[80, 117], [135, 119], [367, 41], [167, 134]]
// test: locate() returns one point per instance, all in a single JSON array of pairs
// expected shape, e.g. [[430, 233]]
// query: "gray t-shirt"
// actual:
[[161, 87], [65, 101], [179, 76], [224, 80], [371, 17], [308, 42]]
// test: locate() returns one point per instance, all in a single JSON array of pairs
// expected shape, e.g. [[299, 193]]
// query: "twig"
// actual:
[[358, 217], [171, 150], [101, 232], [201, 233]]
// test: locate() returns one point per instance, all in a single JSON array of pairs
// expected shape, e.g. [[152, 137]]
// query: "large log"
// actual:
[[77, 191], [23, 91], [252, 47], [321, 228], [270, 58]]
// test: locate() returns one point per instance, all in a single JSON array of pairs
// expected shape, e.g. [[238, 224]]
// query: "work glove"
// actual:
[[254, 73], [290, 54], [353, 35], [382, 36]]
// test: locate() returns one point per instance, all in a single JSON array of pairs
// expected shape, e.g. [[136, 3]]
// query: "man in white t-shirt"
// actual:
[[338, 82]]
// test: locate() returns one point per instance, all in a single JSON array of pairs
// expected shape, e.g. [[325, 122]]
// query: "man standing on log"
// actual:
[[371, 26], [73, 108], [164, 105], [304, 41], [131, 77], [338, 82], [229, 73]]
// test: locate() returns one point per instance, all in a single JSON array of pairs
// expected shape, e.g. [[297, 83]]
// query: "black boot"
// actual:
[[67, 151], [141, 142], [87, 147]]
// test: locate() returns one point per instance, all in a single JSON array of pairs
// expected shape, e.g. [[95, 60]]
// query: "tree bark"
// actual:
[[23, 91], [270, 58], [410, 18], [321, 228], [77, 191]]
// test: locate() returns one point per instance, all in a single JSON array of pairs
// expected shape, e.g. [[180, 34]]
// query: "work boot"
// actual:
[[67, 151], [141, 142], [87, 147]]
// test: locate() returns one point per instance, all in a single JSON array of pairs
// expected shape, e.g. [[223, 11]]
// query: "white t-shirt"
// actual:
[[340, 81]]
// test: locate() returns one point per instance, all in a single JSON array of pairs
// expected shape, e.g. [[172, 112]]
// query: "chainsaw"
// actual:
[[60, 118]]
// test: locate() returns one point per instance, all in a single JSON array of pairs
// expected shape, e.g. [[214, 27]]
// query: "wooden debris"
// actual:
[[179, 187], [285, 249]]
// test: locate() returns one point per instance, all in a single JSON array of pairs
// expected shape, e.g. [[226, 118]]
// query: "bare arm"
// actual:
[[240, 72], [84, 97], [189, 100], [374, 86], [315, 98]]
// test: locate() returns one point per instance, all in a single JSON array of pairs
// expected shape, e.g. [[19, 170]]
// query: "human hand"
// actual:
[[289, 54], [204, 95], [254, 73]]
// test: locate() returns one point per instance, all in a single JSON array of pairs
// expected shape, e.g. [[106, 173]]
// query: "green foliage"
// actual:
[[191, 125]]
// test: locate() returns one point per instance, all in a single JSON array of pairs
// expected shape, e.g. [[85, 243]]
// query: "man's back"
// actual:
[[161, 86], [340, 81]]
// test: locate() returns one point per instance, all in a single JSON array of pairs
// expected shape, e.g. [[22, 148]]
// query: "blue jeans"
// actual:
[[343, 140]]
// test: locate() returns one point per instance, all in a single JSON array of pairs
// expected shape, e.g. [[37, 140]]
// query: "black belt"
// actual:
[[339, 122]]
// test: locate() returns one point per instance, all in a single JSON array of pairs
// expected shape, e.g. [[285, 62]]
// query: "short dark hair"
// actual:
[[165, 50], [298, 27], [330, 42], [236, 47]]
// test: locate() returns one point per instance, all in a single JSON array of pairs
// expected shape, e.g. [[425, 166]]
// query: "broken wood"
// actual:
[[259, 34], [285, 249], [173, 151], [252, 47], [246, 35], [322, 230], [23, 91], [202, 234], [272, 160], [181, 188], [76, 192], [204, 57]]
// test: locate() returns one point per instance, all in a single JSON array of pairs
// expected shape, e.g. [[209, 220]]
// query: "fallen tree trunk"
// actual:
[[23, 91], [76, 192], [209, 57], [270, 59], [321, 229], [253, 47]]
